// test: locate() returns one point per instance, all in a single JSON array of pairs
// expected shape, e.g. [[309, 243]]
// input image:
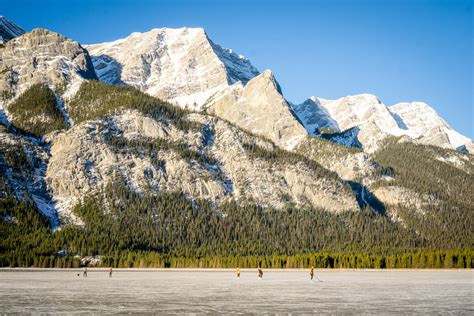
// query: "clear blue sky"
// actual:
[[417, 50]]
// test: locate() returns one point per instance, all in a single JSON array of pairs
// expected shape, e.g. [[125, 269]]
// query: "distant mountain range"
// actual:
[[170, 111]]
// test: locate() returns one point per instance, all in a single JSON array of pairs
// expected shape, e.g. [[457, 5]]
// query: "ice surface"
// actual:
[[137, 292]]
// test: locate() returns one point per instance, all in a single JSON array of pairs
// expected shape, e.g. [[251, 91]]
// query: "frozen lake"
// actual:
[[367, 292]]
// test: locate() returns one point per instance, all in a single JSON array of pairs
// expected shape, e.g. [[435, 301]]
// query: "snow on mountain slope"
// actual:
[[358, 110], [42, 56], [83, 161], [260, 108], [365, 111], [375, 121], [312, 115], [421, 122], [179, 65], [9, 30]]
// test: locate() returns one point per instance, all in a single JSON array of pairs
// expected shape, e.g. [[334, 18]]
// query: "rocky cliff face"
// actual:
[[313, 116], [42, 56], [260, 108], [84, 160], [178, 65]]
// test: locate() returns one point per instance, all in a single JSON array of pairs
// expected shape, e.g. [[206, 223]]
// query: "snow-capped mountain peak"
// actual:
[[180, 65], [347, 112], [420, 121], [375, 121]]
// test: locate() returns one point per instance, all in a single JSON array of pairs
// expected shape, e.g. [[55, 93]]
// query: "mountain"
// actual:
[[182, 65], [313, 116], [232, 172], [365, 120], [421, 122], [42, 56], [202, 156], [259, 107], [185, 67], [9, 30]]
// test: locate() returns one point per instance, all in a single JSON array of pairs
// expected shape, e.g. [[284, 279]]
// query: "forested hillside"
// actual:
[[36, 111], [167, 230], [95, 99], [444, 178], [128, 175], [170, 228]]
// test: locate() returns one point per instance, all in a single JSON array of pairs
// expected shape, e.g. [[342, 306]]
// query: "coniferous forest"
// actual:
[[168, 229]]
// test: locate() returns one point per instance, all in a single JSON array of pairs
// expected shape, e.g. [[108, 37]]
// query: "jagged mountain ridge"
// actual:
[[142, 59], [373, 121], [179, 65], [421, 122], [253, 104]]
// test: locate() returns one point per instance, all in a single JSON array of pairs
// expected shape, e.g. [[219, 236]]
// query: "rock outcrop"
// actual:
[[83, 161], [259, 107], [42, 56]]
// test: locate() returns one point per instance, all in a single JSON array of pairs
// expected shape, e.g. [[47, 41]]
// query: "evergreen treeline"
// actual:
[[152, 146], [317, 148], [281, 156], [12, 160], [36, 111], [95, 99], [168, 230], [25, 238], [448, 217], [423, 259]]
